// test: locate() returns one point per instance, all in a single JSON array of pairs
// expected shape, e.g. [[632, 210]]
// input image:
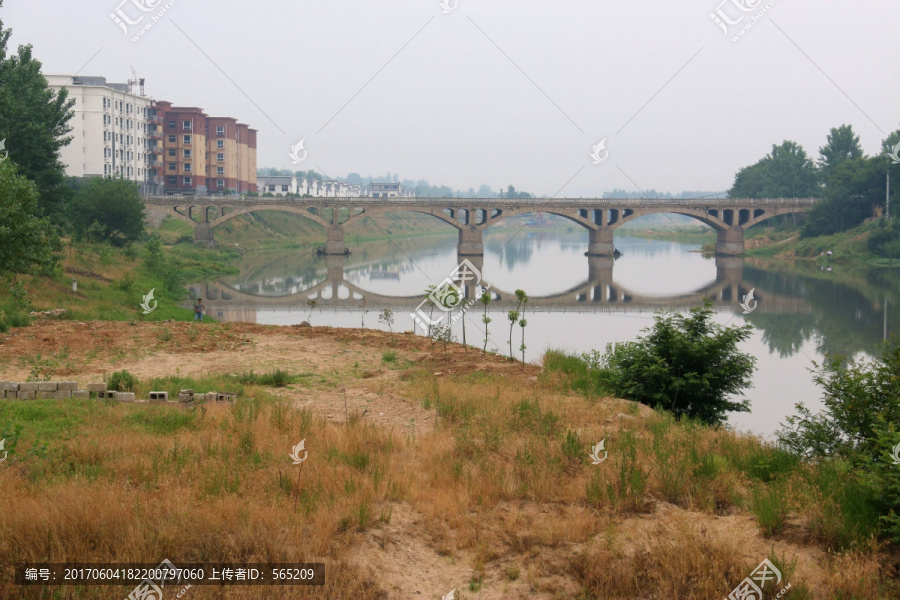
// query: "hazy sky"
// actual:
[[501, 92]]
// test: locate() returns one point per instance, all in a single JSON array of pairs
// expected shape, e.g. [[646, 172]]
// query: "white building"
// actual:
[[277, 185], [110, 130]]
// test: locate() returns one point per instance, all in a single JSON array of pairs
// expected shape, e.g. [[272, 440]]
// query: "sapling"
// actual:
[[485, 299], [514, 316], [523, 299], [387, 317], [312, 306]]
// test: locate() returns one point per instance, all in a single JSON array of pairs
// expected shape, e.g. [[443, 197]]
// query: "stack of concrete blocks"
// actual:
[[46, 390]]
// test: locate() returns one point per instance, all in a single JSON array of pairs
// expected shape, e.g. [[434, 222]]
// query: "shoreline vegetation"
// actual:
[[430, 467]]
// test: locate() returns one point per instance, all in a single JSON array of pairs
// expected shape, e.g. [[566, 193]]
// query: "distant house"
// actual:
[[277, 185], [386, 190]]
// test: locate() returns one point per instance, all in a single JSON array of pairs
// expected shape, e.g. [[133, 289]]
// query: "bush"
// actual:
[[122, 381], [688, 365], [885, 240], [113, 204]]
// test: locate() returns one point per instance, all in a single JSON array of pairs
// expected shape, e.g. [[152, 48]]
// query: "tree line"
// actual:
[[852, 186]]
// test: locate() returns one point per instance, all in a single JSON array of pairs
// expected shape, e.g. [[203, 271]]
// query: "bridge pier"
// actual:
[[334, 242], [470, 242], [730, 242], [729, 268], [600, 242], [203, 234], [600, 276]]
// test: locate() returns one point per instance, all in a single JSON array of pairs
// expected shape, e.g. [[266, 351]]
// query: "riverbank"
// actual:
[[428, 470]]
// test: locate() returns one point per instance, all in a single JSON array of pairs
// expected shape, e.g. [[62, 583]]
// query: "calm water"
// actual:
[[580, 303]]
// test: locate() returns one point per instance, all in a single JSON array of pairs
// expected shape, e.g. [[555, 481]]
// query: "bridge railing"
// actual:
[[480, 202]]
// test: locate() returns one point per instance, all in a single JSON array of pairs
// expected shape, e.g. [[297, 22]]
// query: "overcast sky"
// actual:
[[499, 91]]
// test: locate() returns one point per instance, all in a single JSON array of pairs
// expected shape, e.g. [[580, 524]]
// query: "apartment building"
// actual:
[[110, 131], [165, 149]]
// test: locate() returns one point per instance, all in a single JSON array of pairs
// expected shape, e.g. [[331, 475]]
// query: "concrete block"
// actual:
[[48, 386], [185, 397], [9, 386], [62, 394], [29, 386], [25, 395], [211, 396], [106, 395], [125, 396], [186, 392], [45, 395], [96, 387], [81, 394], [159, 396], [68, 385]]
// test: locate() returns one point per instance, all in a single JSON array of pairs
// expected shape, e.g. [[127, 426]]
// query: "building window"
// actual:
[[171, 124], [220, 131], [173, 166], [220, 183], [220, 144], [284, 188], [187, 153], [271, 188], [220, 170], [173, 181], [186, 125], [220, 157], [187, 167], [171, 139], [172, 152], [187, 139], [187, 181]]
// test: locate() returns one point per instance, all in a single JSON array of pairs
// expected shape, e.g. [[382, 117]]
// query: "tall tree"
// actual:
[[790, 173], [114, 204], [27, 242], [749, 181], [852, 192], [34, 122], [843, 145]]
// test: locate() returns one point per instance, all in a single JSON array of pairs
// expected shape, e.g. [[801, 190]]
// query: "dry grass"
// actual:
[[497, 498]]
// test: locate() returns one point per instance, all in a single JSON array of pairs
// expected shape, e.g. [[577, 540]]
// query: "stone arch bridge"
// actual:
[[471, 216]]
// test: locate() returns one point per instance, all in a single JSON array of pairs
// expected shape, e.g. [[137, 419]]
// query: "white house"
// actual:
[[277, 185]]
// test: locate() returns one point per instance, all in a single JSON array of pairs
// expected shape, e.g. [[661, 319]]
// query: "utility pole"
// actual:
[[887, 199]]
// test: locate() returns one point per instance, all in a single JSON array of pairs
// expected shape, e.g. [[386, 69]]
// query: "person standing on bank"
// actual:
[[198, 310]]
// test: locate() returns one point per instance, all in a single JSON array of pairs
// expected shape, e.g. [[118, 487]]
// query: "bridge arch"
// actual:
[[370, 211], [303, 211]]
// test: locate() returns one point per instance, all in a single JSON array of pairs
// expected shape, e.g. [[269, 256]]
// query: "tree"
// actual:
[[749, 181], [688, 365], [27, 242], [786, 172], [842, 145], [790, 173], [115, 204], [852, 192], [34, 122]]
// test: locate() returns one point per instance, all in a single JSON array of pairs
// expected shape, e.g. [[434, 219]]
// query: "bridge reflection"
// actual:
[[599, 293]]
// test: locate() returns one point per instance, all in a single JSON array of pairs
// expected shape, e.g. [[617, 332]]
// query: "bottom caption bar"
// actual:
[[166, 574]]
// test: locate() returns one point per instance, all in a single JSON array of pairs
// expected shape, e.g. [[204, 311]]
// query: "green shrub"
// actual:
[[122, 381], [688, 365]]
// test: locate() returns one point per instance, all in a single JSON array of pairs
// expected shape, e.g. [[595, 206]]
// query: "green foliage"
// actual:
[[277, 378], [786, 172], [114, 204], [582, 371], [854, 188], [485, 299], [688, 365], [885, 240], [34, 122], [27, 243], [387, 317], [122, 381], [842, 145], [857, 398]]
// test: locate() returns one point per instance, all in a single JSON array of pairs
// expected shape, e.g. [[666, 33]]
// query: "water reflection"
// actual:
[[582, 303]]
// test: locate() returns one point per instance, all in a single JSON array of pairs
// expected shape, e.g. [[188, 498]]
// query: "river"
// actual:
[[801, 311]]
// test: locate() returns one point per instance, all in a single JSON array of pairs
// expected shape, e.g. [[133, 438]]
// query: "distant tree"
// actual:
[[114, 204], [842, 145], [34, 121], [851, 194], [790, 173], [511, 192], [27, 242], [749, 181], [688, 365]]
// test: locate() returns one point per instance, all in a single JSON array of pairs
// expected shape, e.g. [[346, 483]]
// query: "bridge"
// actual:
[[471, 216], [599, 293]]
